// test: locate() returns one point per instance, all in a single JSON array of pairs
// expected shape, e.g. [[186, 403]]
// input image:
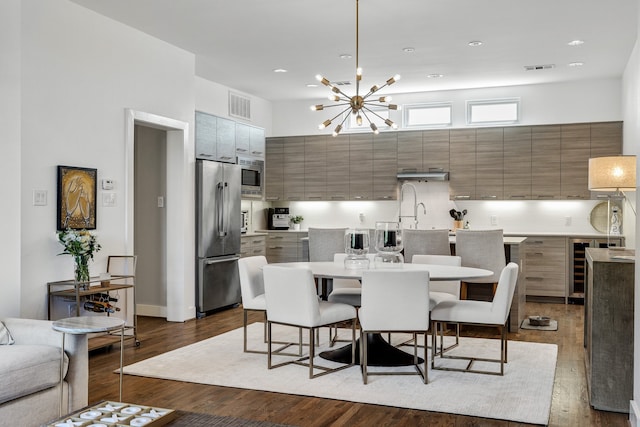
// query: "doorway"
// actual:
[[175, 260]]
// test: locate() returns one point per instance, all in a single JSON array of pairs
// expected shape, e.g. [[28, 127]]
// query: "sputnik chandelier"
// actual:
[[359, 105]]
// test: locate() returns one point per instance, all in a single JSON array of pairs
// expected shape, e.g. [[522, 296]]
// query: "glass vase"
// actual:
[[388, 245], [356, 246], [81, 270]]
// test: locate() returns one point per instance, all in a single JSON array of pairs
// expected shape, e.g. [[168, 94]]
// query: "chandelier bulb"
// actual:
[[335, 89], [337, 130], [393, 106], [391, 124], [323, 80], [324, 124], [359, 120], [359, 71], [374, 128], [384, 99], [374, 88], [334, 98], [318, 107]]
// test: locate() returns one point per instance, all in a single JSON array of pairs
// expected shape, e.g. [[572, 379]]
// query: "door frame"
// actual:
[[180, 209]]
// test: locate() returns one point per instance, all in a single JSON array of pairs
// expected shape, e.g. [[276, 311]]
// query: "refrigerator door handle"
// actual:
[[220, 209], [216, 261]]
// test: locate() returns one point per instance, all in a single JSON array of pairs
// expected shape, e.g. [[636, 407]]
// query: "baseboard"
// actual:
[[634, 414], [151, 310]]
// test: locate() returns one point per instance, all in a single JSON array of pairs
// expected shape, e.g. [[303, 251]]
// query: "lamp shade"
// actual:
[[612, 173]]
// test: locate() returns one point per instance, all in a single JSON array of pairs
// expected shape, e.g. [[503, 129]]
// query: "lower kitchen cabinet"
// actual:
[[546, 266], [284, 246], [252, 245]]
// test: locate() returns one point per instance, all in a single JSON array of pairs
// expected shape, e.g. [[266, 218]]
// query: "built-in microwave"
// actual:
[[252, 177]]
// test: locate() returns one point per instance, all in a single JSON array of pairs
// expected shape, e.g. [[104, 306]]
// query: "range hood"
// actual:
[[424, 176]]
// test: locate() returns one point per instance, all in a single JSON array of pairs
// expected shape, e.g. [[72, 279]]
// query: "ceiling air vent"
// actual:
[[239, 106], [539, 67], [342, 83]]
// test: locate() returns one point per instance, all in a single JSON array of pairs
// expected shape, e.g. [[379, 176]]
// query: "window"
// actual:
[[425, 115], [493, 111]]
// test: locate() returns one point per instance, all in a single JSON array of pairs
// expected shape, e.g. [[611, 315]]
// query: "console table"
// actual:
[[608, 327]]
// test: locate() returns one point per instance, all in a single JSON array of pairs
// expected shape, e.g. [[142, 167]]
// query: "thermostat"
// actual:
[[107, 184]]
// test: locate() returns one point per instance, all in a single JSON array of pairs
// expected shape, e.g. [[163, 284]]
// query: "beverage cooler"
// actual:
[[577, 263]]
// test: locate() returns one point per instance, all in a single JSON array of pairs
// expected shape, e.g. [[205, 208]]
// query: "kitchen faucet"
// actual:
[[415, 205]]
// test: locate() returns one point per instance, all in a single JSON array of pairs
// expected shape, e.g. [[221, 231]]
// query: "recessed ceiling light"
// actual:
[[312, 85], [475, 43], [576, 64], [279, 70], [409, 49], [435, 76], [345, 56], [575, 42]]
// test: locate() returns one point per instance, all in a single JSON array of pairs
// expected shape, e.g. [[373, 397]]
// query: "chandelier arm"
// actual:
[[364, 113], [373, 112], [335, 105], [341, 112]]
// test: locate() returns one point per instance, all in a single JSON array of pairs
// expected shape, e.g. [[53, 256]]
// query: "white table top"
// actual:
[[87, 324], [334, 270]]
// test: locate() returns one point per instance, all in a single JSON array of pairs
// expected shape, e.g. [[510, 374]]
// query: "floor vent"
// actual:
[[538, 67], [239, 106]]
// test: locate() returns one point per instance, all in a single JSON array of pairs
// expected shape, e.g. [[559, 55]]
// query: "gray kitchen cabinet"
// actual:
[[284, 246], [315, 167], [385, 165], [337, 168], [256, 142], [205, 136], [409, 156], [605, 141], [489, 164], [545, 162], [361, 166], [546, 266], [293, 176], [252, 245], [435, 150], [517, 163], [574, 161], [225, 140], [462, 164], [243, 139], [274, 170]]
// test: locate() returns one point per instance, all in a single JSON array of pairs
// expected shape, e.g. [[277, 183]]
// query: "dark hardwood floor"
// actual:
[[569, 406]]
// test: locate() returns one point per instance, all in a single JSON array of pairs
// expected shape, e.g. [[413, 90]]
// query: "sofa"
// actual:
[[30, 373]]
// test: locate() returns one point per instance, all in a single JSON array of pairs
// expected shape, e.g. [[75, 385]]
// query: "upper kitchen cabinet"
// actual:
[[257, 141], [243, 139], [435, 150], [205, 136], [490, 164], [293, 182], [385, 181], [315, 167], [545, 162], [337, 167], [574, 158], [409, 155], [517, 163], [225, 140], [361, 166], [274, 170], [606, 139], [462, 164]]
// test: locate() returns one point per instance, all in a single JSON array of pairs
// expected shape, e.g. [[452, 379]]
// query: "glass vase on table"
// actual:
[[356, 246], [388, 245], [81, 270]]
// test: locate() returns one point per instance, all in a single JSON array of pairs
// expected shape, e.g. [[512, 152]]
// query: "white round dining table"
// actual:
[[380, 352]]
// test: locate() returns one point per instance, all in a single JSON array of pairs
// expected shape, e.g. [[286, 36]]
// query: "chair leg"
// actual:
[[268, 344], [426, 362], [244, 330], [312, 349], [463, 290], [363, 356]]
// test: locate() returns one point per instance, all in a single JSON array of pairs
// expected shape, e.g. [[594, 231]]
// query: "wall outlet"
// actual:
[[567, 221], [160, 202], [493, 219], [361, 217]]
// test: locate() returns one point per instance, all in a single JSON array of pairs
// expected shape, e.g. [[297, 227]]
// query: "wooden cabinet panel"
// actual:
[[293, 183], [462, 161], [361, 167], [606, 139], [338, 168], [410, 151], [385, 165], [435, 150], [490, 164], [315, 167], [205, 136], [252, 246], [284, 246], [226, 140], [546, 266], [574, 168], [274, 169], [545, 161], [517, 163]]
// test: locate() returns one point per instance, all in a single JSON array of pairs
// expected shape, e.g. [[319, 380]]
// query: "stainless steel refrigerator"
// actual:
[[218, 223]]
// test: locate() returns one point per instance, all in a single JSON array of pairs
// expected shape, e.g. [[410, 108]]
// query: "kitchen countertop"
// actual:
[[253, 233]]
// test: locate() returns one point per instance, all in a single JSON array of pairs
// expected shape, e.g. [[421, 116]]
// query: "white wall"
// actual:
[[10, 189], [79, 73], [573, 102]]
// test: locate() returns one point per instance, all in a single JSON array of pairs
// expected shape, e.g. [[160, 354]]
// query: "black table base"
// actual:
[[380, 353]]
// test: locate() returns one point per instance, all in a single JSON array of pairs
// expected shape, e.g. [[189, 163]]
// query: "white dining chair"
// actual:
[[291, 299], [481, 249], [484, 313], [253, 299], [394, 301], [323, 243]]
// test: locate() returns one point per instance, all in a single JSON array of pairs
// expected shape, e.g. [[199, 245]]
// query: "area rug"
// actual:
[[552, 326], [523, 394]]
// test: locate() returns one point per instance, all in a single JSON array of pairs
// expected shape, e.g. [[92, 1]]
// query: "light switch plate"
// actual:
[[39, 197], [109, 200]]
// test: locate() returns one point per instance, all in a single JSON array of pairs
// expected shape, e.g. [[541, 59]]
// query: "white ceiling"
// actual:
[[238, 43]]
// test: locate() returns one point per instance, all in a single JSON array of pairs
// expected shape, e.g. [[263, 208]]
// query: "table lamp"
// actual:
[[616, 173]]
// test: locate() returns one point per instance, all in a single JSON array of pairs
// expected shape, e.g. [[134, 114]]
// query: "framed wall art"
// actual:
[[76, 198]]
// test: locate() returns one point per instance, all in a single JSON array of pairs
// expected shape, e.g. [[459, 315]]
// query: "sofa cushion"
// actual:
[[5, 336], [26, 369]]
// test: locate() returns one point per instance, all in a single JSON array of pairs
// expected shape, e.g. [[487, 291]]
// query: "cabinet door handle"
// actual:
[[539, 279], [275, 247], [257, 153], [242, 150], [461, 197]]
